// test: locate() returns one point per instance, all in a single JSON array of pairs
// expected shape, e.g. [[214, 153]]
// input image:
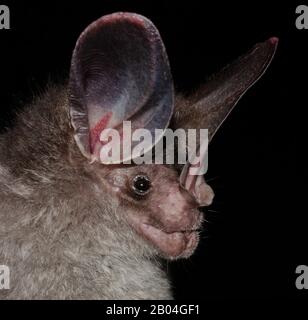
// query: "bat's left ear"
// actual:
[[119, 72], [209, 106]]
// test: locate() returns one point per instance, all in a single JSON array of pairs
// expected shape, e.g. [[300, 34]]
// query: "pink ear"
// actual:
[[119, 72]]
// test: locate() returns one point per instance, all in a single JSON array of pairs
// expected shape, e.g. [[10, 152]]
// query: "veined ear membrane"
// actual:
[[119, 72], [212, 103]]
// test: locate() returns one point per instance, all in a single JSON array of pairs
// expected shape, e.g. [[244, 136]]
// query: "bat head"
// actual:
[[120, 73]]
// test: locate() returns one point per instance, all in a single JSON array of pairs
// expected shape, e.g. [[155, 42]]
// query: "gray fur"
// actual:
[[58, 222]]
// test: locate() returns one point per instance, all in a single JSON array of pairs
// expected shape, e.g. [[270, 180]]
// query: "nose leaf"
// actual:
[[204, 194], [198, 188]]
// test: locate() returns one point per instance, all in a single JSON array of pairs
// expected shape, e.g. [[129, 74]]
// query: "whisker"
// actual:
[[211, 179], [204, 237], [206, 221], [211, 210]]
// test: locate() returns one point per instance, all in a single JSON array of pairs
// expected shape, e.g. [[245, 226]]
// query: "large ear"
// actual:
[[211, 104], [119, 72]]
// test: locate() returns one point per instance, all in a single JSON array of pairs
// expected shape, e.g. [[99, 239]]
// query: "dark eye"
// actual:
[[141, 184]]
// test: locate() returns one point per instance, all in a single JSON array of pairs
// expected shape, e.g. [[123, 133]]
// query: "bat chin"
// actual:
[[172, 245]]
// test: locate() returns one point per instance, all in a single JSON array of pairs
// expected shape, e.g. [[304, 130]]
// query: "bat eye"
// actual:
[[141, 185]]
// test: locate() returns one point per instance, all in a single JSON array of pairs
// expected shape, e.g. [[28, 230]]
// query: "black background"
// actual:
[[256, 233]]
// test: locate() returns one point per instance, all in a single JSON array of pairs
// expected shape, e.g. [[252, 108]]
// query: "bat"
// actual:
[[72, 227]]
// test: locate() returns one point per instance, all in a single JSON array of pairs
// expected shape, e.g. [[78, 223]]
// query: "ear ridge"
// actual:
[[210, 105], [119, 72]]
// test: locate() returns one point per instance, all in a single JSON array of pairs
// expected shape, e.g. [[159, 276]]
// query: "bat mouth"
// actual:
[[175, 244], [172, 240]]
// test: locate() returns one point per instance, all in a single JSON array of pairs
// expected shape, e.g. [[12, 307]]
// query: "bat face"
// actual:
[[159, 210]]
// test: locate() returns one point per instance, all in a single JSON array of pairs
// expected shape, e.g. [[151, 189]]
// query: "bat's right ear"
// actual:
[[119, 72]]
